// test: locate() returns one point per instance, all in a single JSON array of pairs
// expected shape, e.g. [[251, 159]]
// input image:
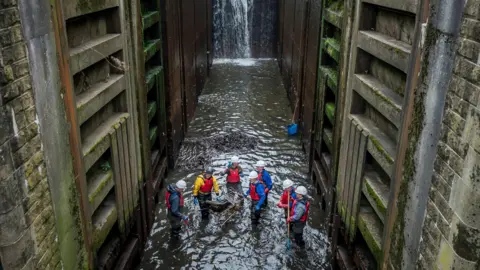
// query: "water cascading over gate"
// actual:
[[232, 28]]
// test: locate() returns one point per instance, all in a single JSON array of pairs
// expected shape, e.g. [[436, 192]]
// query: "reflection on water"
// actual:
[[243, 111]]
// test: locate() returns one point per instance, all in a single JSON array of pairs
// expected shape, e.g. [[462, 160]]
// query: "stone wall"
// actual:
[[451, 232], [28, 237]]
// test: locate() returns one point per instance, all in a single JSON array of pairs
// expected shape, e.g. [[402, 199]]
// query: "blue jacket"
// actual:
[[260, 189], [267, 179], [300, 209], [174, 201]]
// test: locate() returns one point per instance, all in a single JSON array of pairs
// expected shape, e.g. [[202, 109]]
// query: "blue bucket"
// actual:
[[292, 129]]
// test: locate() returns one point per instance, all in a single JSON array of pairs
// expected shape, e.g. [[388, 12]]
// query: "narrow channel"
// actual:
[[242, 111]]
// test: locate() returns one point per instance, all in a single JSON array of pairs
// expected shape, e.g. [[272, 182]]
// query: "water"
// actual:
[[232, 25], [243, 111]]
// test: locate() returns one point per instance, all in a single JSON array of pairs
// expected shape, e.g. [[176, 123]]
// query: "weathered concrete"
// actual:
[[450, 238], [423, 133], [40, 41]]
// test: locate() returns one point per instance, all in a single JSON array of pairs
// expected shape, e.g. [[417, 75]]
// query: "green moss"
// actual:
[[152, 109], [386, 99], [150, 18], [330, 111], [380, 148], [337, 6], [107, 177], [89, 5], [150, 47], [332, 47], [380, 206], [153, 135], [375, 247]]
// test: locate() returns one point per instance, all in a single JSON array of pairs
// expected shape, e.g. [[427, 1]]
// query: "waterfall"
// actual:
[[232, 34]]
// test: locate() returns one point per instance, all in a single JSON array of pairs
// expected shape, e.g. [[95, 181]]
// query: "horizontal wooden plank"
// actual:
[[96, 143], [404, 5], [330, 112], [332, 47], [151, 75], [334, 17], [331, 77], [386, 48], [372, 230], [382, 98], [103, 220], [376, 193], [380, 146], [75, 8], [92, 100], [328, 138], [150, 18], [93, 51], [151, 47], [98, 187], [151, 109]]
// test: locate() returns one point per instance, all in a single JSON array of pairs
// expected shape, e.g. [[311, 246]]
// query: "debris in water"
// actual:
[[196, 153]]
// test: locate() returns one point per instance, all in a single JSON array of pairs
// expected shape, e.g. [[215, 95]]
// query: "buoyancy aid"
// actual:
[[233, 175], [207, 185], [305, 215], [167, 199], [253, 191], [284, 198]]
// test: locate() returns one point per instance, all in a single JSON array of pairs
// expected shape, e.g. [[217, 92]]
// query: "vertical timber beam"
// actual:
[[44, 32], [426, 89]]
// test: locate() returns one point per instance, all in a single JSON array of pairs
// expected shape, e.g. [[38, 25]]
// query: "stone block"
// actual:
[[467, 69], [472, 129], [9, 17], [457, 104], [465, 198], [450, 138], [22, 102], [441, 204], [442, 168], [443, 225], [470, 28], [441, 186], [43, 224], [5, 124], [33, 163], [48, 242], [432, 211], [6, 162], [36, 194], [464, 89], [10, 194], [13, 225], [454, 121], [44, 260], [16, 88], [450, 157], [24, 136], [448, 259], [27, 151], [469, 49], [10, 35], [17, 255], [466, 242], [12, 54], [472, 8], [35, 177]]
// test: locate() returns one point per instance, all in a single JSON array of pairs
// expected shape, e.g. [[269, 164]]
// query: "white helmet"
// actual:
[[181, 184], [260, 164], [301, 190], [253, 174], [235, 159], [287, 183]]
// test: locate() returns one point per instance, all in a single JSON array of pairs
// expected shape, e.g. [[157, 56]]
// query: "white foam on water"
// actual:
[[245, 62]]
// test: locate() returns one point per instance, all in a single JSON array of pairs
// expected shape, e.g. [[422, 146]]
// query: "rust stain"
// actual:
[[71, 118], [412, 81]]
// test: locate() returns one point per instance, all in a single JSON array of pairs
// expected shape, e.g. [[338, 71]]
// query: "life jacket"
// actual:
[[207, 185], [167, 199], [253, 191], [305, 215], [233, 176], [284, 198]]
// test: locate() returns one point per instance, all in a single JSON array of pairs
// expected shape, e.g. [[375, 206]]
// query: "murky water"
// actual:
[[243, 111]]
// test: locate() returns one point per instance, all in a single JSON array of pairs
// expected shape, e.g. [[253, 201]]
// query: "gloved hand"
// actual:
[[281, 205], [241, 174], [266, 190], [289, 219], [217, 199], [245, 196], [195, 201], [185, 218], [257, 208]]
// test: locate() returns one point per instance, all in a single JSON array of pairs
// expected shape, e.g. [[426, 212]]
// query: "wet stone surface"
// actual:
[[243, 111]]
